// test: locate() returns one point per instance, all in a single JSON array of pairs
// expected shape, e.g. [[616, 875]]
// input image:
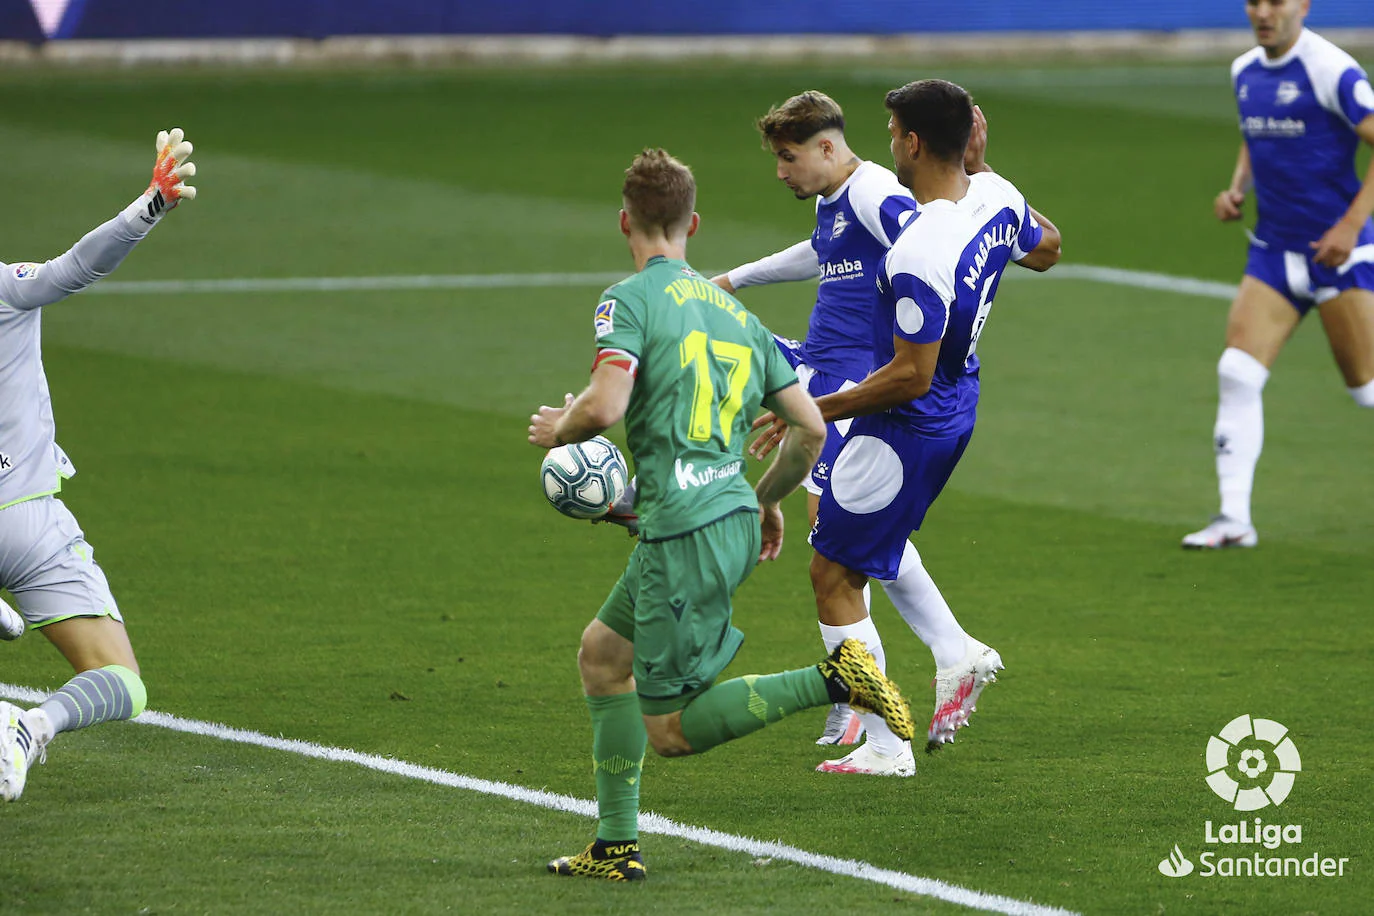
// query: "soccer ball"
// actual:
[[584, 479]]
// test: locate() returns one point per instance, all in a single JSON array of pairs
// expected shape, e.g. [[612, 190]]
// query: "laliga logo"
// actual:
[[1252, 764]]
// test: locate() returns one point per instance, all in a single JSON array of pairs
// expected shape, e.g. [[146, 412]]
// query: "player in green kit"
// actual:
[[687, 367]]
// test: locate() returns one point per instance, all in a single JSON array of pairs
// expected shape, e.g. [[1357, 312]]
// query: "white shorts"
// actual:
[[48, 567]]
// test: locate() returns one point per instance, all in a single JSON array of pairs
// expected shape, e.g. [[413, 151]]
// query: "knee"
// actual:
[[596, 666], [1238, 370], [665, 735], [603, 659], [823, 577], [670, 747]]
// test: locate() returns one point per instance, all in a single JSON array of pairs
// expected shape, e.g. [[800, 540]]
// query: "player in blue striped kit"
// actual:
[[1304, 106], [860, 210], [914, 413]]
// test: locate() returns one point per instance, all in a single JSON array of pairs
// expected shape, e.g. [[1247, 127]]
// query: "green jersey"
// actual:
[[702, 366]]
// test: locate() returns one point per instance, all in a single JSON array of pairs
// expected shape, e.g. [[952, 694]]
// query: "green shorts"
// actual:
[[673, 603]]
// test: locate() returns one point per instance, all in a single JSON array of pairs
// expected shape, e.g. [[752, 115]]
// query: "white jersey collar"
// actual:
[[1293, 52], [970, 197], [863, 163]]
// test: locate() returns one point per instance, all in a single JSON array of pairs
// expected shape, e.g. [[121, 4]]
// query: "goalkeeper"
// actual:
[[45, 562]]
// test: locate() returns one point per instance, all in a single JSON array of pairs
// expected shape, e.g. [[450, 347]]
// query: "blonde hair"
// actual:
[[659, 192], [800, 118]]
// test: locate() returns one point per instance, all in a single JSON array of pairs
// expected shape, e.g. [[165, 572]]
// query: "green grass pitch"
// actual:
[[322, 521]]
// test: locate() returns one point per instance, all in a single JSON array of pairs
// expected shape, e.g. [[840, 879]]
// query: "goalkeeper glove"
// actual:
[[168, 186], [622, 511]]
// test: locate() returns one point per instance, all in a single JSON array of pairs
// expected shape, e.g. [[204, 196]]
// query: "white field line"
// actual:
[[1111, 275], [648, 821]]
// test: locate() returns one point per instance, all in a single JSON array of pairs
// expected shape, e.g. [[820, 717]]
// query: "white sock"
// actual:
[[879, 735], [925, 610], [1363, 395], [1239, 432]]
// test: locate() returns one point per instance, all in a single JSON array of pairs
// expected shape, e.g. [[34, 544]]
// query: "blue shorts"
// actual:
[[1304, 282], [817, 383], [886, 478]]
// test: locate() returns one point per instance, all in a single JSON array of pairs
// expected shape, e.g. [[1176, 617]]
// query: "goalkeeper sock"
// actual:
[[746, 704], [95, 696], [618, 745]]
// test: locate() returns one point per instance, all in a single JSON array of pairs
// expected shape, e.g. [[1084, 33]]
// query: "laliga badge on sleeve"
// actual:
[[605, 318]]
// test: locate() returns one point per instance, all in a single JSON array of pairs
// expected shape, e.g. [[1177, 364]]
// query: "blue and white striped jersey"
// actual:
[[938, 283], [1297, 114], [855, 227]]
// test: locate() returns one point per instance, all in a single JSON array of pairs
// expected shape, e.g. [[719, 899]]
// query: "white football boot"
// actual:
[[957, 689], [18, 750], [842, 726], [864, 761], [11, 624], [1222, 532]]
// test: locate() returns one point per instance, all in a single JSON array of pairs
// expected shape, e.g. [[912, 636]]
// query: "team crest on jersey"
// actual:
[[841, 224], [26, 271], [1287, 93], [605, 318], [1244, 94]]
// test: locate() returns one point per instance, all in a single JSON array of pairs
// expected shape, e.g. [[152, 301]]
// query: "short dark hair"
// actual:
[[659, 191], [800, 118], [937, 111]]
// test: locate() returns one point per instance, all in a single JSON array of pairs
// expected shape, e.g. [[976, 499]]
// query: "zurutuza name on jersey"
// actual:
[[1274, 127], [705, 291], [1000, 236]]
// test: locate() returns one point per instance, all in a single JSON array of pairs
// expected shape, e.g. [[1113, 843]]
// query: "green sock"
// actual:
[[618, 744], [746, 704]]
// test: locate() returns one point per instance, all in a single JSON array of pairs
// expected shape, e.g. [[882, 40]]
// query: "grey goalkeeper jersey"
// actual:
[[31, 463]]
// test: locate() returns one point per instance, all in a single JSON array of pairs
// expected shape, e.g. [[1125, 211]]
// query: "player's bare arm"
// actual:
[[599, 407], [1229, 202], [795, 459], [1046, 254], [723, 281], [904, 379], [1335, 246], [901, 381]]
